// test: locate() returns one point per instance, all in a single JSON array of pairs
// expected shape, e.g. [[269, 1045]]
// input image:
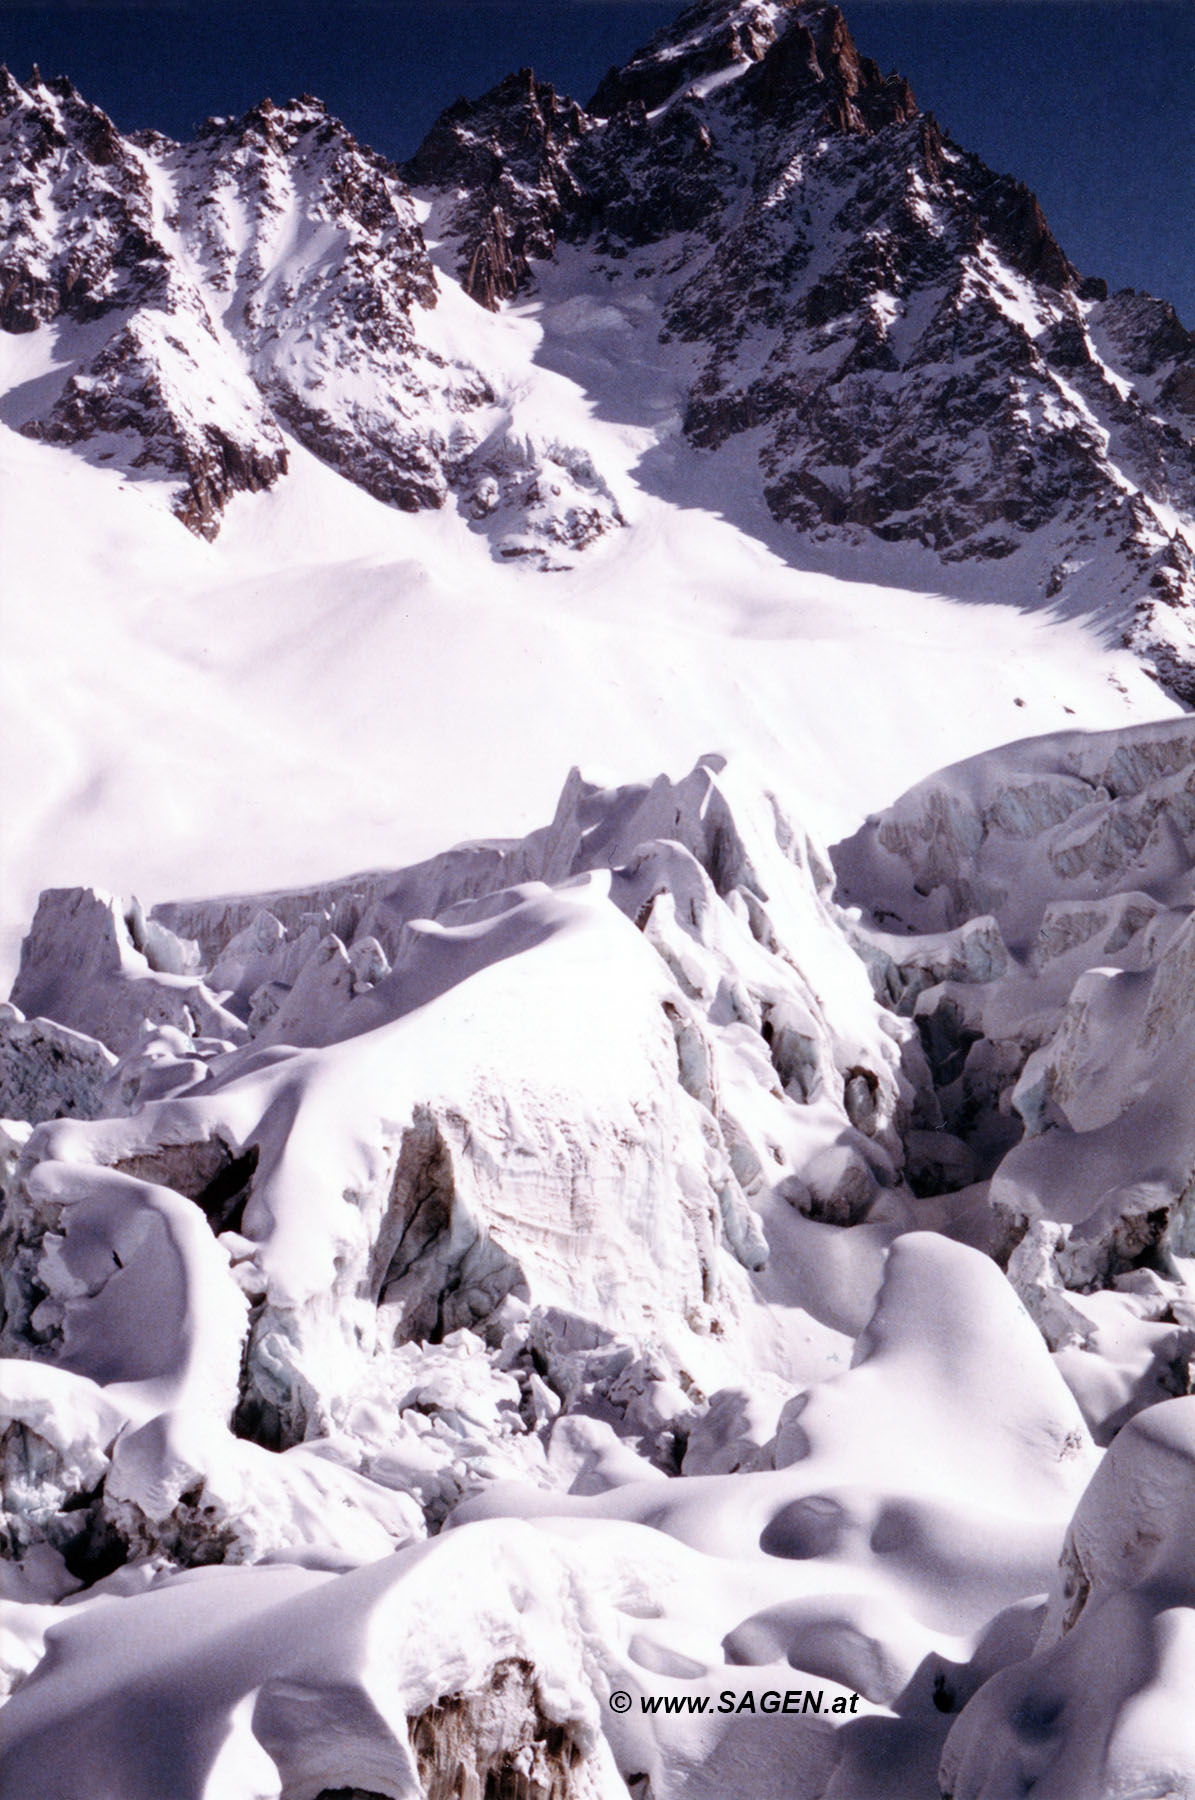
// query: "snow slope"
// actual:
[[334, 685], [589, 579]]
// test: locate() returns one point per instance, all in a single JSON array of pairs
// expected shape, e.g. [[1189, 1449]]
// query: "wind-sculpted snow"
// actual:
[[236, 1680], [1103, 1704], [746, 1283]]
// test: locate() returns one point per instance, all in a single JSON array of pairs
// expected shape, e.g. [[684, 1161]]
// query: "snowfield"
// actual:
[[454, 692], [597, 1110]]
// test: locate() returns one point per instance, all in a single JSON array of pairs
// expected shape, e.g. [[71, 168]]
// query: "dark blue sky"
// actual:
[[1091, 102]]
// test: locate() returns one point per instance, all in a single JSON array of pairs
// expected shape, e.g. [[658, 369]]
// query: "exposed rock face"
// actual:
[[77, 210], [913, 356], [498, 1743], [87, 243], [509, 155], [1149, 342], [797, 51], [321, 288], [270, 276], [137, 388], [532, 167]]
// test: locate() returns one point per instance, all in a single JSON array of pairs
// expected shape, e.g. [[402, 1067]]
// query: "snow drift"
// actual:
[[631, 1185]]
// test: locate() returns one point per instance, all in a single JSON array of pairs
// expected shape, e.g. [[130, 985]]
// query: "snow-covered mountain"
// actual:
[[889, 328], [270, 275], [635, 1301], [881, 335]]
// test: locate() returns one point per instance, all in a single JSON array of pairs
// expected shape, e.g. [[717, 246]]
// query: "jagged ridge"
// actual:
[[881, 335], [893, 328]]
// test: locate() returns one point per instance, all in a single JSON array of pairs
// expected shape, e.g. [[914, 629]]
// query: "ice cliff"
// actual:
[[650, 1255]]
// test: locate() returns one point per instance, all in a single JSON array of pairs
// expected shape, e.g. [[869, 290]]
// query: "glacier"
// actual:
[[626, 1191], [677, 1277]]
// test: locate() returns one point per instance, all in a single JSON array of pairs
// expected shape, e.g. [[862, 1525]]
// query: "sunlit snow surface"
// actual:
[[608, 1263], [334, 685]]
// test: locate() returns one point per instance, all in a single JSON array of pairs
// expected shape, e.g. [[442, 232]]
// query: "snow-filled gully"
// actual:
[[629, 1309]]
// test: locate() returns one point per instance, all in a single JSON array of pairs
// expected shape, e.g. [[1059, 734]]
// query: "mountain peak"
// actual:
[[777, 51], [275, 122], [56, 110], [891, 326], [713, 38]]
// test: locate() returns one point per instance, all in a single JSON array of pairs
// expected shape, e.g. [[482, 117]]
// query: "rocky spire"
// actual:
[[784, 53], [509, 150]]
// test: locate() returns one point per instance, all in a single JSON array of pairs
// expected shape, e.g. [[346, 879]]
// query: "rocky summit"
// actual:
[[874, 336]]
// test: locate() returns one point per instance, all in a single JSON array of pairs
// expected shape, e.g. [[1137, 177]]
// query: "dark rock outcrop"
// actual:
[[500, 1744], [509, 151]]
